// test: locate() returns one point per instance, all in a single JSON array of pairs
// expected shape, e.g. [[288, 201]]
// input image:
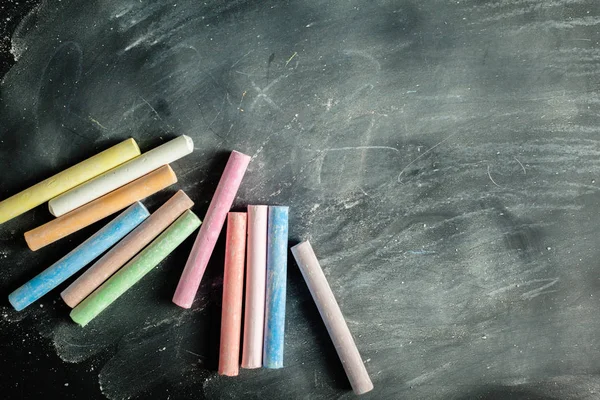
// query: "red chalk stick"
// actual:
[[233, 287]]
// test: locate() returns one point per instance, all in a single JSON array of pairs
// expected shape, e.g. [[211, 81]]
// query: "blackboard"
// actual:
[[442, 157]]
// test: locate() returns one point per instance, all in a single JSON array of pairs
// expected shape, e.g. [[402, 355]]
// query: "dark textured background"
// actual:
[[442, 157]]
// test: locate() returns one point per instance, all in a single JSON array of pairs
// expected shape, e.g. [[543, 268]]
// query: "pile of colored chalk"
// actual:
[[136, 241]]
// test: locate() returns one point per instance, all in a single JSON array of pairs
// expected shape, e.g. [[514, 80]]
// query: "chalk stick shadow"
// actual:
[[208, 297], [310, 312]]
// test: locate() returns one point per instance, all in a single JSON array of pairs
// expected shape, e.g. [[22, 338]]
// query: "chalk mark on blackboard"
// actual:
[[357, 148], [219, 112], [522, 166], [136, 42], [262, 93], [78, 345], [122, 12], [152, 108], [97, 123], [291, 58], [363, 54], [196, 354], [156, 112], [490, 176], [424, 154], [530, 294], [241, 101], [354, 95], [241, 58], [427, 375], [541, 290]]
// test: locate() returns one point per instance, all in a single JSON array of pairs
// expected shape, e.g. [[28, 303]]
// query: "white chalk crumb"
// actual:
[[163, 349], [67, 384], [41, 306], [484, 337], [548, 248]]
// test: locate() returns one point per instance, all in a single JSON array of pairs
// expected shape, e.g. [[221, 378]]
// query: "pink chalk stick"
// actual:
[[210, 229], [256, 276], [333, 318], [233, 294]]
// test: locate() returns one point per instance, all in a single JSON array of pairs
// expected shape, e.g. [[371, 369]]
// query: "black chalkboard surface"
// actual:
[[442, 157]]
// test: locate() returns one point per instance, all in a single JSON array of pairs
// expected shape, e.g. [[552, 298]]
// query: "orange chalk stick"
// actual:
[[100, 208], [133, 243], [233, 287]]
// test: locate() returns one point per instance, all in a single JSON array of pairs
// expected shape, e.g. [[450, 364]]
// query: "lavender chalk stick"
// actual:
[[333, 318]]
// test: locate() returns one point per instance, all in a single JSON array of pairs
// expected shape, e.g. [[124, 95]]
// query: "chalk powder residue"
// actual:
[[437, 196]]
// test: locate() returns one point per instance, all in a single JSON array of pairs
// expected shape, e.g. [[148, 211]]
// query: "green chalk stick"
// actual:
[[136, 269]]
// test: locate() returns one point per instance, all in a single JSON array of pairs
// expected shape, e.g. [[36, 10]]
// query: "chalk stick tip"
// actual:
[[364, 388], [189, 214], [229, 372], [132, 142], [144, 210], [14, 303], [238, 154], [274, 365], [183, 304], [280, 210], [301, 245], [51, 208], [238, 215], [189, 142], [67, 299], [77, 320], [252, 366], [258, 207], [33, 246], [172, 175]]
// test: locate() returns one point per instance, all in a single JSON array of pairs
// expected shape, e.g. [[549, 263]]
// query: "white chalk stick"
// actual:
[[121, 175]]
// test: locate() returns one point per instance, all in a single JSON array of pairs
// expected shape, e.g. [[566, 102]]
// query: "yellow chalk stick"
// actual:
[[67, 179]]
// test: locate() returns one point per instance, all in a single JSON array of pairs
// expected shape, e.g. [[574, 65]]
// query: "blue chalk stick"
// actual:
[[277, 245], [78, 258]]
